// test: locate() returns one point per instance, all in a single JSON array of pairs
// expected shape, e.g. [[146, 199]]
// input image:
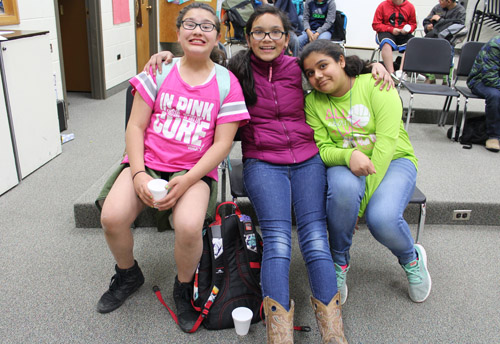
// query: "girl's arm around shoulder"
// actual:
[[317, 111]]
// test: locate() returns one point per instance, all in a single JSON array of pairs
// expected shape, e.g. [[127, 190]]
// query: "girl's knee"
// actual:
[[113, 223], [379, 219], [277, 248], [188, 232]]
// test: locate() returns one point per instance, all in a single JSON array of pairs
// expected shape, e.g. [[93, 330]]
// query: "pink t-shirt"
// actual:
[[184, 119]]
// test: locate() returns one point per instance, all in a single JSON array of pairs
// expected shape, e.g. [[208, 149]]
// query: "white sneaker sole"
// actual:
[[423, 257], [346, 294]]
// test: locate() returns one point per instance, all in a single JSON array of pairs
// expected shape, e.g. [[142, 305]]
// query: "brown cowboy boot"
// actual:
[[329, 319], [279, 322]]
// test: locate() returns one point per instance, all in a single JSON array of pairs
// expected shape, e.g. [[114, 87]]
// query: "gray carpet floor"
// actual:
[[52, 273]]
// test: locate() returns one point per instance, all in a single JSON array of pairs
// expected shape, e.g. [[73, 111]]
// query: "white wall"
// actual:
[[118, 40], [39, 15]]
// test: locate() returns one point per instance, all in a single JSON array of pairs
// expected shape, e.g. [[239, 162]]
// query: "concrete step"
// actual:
[[452, 179]]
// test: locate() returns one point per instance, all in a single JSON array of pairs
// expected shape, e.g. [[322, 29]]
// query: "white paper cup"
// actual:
[[157, 187], [407, 28], [242, 318]]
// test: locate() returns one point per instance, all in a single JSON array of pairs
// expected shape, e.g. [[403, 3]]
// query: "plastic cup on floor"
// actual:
[[158, 188], [242, 317]]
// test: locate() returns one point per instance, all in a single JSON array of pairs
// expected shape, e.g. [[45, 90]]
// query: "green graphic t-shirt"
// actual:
[[365, 119]]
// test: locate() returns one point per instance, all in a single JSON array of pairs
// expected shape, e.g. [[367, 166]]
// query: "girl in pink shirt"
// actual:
[[180, 126]]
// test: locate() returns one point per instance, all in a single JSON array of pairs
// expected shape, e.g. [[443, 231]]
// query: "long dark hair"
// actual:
[[216, 55], [354, 66], [240, 63]]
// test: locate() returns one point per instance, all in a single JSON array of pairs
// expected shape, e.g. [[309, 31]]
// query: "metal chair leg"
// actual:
[[455, 121], [446, 108], [421, 221], [408, 115], [464, 116]]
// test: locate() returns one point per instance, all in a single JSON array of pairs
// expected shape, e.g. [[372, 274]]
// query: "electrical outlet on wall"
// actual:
[[461, 215]]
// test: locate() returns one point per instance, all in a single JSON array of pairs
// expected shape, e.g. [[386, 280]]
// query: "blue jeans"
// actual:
[[294, 44], [273, 190], [492, 108], [304, 39], [384, 213]]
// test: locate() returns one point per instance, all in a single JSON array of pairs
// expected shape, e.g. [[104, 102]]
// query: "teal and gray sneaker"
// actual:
[[341, 282], [418, 276]]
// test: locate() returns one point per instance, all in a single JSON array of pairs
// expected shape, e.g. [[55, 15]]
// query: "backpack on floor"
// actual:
[[474, 132], [228, 275]]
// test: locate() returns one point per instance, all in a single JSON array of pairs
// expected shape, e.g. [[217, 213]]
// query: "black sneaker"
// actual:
[[123, 284], [186, 314]]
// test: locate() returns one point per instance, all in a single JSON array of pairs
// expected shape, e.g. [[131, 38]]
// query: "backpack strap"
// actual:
[[164, 72], [224, 82], [218, 270]]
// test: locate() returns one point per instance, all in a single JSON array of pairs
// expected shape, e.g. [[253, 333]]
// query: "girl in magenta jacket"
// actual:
[[283, 172]]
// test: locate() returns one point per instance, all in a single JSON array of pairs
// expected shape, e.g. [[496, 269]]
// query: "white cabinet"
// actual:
[[27, 75], [8, 170]]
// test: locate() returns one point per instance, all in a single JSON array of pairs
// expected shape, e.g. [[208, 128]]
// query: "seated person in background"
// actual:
[[319, 16], [446, 13], [299, 6], [237, 12], [290, 9], [394, 21], [443, 16], [484, 80]]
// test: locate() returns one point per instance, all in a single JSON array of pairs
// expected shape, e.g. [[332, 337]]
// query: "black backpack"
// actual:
[[339, 26], [228, 275], [474, 132]]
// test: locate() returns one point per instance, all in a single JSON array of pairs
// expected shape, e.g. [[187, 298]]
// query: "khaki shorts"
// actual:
[[162, 220]]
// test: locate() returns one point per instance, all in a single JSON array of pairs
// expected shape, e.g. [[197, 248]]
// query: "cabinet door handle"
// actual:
[[4, 48]]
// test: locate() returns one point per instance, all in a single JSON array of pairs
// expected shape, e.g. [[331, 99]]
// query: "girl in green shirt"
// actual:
[[371, 165]]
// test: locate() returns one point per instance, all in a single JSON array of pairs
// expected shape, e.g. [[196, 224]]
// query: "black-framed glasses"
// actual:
[[274, 35], [191, 25]]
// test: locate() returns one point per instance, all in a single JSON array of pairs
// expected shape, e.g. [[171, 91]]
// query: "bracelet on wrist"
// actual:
[[136, 173]]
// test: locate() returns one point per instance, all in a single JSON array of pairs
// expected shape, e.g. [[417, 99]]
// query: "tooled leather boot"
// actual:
[[329, 319], [279, 322]]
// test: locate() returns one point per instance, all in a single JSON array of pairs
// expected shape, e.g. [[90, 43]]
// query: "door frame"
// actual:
[[96, 56], [96, 51], [153, 27]]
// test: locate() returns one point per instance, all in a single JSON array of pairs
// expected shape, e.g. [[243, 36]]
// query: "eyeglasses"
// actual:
[[191, 25], [274, 35]]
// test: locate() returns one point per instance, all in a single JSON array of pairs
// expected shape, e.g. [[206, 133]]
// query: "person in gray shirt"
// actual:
[[443, 16], [446, 12]]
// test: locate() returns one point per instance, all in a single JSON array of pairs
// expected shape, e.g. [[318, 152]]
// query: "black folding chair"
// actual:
[[427, 56]]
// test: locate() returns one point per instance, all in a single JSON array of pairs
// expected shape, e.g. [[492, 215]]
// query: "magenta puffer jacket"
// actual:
[[277, 131]]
